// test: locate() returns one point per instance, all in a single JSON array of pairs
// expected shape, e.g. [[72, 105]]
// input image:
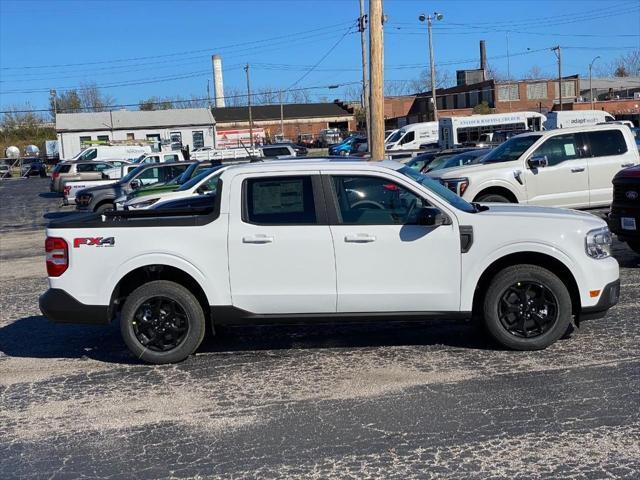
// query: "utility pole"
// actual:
[[558, 53], [432, 63], [208, 95], [281, 117], [362, 25], [590, 80], [246, 69], [376, 77]]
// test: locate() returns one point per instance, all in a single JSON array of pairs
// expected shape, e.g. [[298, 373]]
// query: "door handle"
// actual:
[[625, 165], [577, 169], [259, 238], [359, 238]]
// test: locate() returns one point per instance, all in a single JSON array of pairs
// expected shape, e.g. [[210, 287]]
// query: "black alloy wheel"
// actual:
[[160, 324], [528, 309]]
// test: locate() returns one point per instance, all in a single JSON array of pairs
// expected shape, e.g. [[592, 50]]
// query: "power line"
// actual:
[[331, 49], [226, 97], [286, 37]]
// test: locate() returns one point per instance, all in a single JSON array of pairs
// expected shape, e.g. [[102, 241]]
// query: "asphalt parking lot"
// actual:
[[432, 400]]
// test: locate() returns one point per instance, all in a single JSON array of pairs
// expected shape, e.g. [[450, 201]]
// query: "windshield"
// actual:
[[197, 179], [139, 159], [438, 163], [396, 136], [510, 150], [440, 190]]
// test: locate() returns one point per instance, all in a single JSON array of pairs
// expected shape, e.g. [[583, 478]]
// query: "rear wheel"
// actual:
[[492, 198], [162, 322], [635, 246], [527, 307]]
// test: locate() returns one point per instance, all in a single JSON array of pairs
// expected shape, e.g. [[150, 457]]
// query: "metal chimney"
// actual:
[[218, 88], [483, 59]]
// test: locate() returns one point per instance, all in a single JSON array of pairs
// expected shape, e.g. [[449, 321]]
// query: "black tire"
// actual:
[[162, 290], [513, 279], [105, 207], [635, 246], [492, 198]]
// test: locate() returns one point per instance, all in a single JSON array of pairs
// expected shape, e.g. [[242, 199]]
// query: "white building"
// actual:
[[176, 128]]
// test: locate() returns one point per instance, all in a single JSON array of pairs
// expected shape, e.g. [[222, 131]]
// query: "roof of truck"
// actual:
[[317, 163]]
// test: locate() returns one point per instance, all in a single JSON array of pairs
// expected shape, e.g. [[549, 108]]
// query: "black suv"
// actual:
[[624, 218]]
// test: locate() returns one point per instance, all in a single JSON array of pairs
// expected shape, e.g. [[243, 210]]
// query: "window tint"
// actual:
[[64, 168], [375, 201], [607, 142], [409, 137], [171, 158], [275, 151], [559, 149], [89, 154], [167, 174], [280, 200], [85, 167], [102, 166], [150, 174]]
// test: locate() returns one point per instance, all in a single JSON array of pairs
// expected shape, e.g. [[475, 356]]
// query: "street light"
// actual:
[[590, 84], [437, 16]]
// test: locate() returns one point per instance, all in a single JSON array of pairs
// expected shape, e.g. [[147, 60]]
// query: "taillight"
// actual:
[[57, 256], [55, 174], [391, 187], [67, 189]]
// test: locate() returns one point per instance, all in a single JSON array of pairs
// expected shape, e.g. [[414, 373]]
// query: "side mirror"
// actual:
[[538, 162], [135, 184], [432, 217]]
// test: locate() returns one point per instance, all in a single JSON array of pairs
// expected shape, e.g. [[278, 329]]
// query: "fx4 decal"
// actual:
[[94, 241]]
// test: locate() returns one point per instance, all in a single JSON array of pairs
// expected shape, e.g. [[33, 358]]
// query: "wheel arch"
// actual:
[[497, 190], [543, 260], [158, 271]]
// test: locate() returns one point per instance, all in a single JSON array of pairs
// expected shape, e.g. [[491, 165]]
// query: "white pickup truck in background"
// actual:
[[319, 240]]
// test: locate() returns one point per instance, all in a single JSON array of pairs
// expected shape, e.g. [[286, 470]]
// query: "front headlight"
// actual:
[[145, 204], [456, 185], [598, 243]]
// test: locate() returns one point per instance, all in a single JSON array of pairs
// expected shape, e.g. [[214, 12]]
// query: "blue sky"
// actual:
[[59, 44]]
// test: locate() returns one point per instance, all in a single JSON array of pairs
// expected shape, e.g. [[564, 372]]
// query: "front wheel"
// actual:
[[492, 198], [105, 207], [527, 307], [162, 322]]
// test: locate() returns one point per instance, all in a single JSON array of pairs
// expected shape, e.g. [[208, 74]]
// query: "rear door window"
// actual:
[[279, 201], [606, 143], [63, 168], [171, 158]]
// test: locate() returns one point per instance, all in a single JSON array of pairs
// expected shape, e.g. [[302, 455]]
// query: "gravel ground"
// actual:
[[363, 401]]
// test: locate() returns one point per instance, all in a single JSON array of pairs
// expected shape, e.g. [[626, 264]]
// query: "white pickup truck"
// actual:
[[568, 167], [319, 240]]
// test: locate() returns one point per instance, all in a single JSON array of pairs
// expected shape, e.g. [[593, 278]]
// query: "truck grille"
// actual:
[[626, 194]]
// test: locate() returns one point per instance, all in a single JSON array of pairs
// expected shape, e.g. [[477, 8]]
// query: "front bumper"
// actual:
[[608, 298], [615, 223], [60, 307]]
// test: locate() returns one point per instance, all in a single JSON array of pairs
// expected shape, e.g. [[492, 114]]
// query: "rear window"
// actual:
[[63, 168], [279, 201], [606, 143], [275, 151]]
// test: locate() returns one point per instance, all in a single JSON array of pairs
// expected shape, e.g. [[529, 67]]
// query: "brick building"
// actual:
[[501, 97], [295, 119]]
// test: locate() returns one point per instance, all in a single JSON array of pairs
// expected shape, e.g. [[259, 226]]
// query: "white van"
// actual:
[[411, 136], [120, 152], [576, 118]]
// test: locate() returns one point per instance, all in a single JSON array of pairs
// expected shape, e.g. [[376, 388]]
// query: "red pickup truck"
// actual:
[[624, 218]]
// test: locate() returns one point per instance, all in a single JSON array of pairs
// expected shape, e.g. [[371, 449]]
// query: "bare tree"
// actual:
[[20, 117], [535, 73], [93, 99], [299, 96], [423, 82], [626, 65], [65, 102]]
